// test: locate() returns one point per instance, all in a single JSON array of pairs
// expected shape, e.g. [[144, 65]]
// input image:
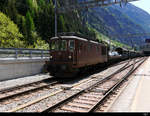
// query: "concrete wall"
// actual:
[[11, 69]]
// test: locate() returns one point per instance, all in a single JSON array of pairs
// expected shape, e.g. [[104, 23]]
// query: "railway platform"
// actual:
[[136, 96]]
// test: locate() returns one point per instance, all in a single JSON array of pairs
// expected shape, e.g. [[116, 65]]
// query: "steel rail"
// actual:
[[39, 99], [111, 90], [20, 86], [82, 91], [70, 98], [26, 91]]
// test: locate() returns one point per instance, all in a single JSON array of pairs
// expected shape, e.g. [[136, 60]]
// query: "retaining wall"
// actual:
[[17, 68]]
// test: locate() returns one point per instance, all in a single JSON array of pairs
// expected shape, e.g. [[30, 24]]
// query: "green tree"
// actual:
[[30, 28], [9, 33], [35, 20]]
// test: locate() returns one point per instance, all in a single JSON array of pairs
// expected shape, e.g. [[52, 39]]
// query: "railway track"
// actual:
[[9, 93], [112, 98], [52, 94], [10, 89], [90, 98], [127, 65]]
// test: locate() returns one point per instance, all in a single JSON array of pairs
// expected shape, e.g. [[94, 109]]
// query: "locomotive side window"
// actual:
[[71, 45], [80, 46], [90, 46], [97, 48], [103, 50], [85, 48]]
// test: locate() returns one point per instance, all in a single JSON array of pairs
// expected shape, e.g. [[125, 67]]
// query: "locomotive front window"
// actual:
[[54, 45], [71, 45], [59, 45], [63, 45]]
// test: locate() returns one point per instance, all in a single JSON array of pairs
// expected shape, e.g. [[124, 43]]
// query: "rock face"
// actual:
[[115, 21], [137, 15]]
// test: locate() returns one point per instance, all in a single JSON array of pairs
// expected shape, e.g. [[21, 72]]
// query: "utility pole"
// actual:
[[55, 18]]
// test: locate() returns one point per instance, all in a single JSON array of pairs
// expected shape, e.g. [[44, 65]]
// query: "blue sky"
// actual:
[[144, 4]]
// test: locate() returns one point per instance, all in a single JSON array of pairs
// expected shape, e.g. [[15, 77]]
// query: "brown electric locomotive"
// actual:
[[70, 54]]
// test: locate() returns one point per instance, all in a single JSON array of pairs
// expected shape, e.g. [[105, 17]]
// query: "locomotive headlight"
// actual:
[[70, 57], [51, 57]]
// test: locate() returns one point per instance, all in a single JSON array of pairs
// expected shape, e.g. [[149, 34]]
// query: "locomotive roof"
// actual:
[[75, 37]]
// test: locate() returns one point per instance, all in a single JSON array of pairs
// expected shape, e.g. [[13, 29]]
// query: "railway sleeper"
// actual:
[[89, 95], [83, 101], [97, 90], [73, 109], [79, 105], [88, 98]]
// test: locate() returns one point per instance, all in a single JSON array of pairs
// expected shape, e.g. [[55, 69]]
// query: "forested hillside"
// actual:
[[35, 20], [137, 15], [115, 23], [9, 33]]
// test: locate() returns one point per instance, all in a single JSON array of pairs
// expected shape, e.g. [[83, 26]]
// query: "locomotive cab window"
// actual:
[[59, 45], [71, 45], [63, 45], [54, 45]]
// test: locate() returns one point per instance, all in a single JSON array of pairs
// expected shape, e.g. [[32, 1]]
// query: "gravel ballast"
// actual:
[[44, 104], [23, 80]]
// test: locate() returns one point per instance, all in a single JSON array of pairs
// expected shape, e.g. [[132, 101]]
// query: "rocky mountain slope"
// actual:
[[117, 22]]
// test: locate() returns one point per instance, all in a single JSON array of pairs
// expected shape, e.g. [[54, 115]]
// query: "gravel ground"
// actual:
[[26, 100], [85, 85], [46, 103], [23, 80], [51, 100], [34, 78], [110, 70], [55, 99]]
